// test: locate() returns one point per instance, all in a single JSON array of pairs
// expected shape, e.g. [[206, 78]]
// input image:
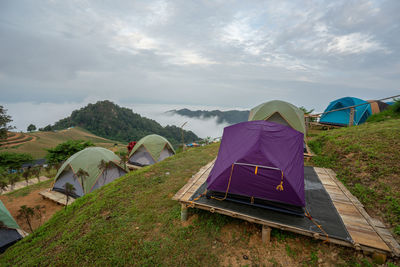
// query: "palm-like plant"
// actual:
[[26, 175], [124, 158], [69, 191], [36, 172], [26, 213], [82, 174], [12, 179], [3, 185], [104, 165], [40, 210]]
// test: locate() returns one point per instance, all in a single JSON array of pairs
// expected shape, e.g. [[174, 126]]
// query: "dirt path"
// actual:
[[22, 184], [13, 204]]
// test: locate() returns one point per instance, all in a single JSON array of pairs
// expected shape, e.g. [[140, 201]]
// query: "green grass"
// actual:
[[393, 112], [132, 221], [366, 159]]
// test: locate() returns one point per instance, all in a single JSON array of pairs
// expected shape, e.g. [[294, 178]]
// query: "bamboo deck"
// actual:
[[57, 197], [368, 234]]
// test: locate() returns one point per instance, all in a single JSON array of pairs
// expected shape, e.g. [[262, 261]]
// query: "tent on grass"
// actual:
[[150, 149], [342, 117], [8, 229], [260, 163], [89, 160], [280, 112]]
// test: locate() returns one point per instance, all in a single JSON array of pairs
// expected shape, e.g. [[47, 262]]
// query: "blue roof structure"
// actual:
[[342, 117]]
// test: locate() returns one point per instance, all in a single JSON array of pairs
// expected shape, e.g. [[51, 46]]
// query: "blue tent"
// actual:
[[342, 117]]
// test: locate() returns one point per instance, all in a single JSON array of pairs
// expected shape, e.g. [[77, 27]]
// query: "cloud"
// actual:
[[227, 54]]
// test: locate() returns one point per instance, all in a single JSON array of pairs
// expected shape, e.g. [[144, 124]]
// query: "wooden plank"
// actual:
[[192, 180], [360, 225], [356, 219], [56, 197]]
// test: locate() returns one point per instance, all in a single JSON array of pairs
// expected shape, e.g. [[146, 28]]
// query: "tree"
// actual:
[[31, 128], [64, 150], [104, 165], [82, 175], [12, 179], [3, 180], [26, 213], [308, 112], [39, 211], [36, 172], [26, 175], [10, 160], [124, 158], [3, 185], [69, 192], [4, 121]]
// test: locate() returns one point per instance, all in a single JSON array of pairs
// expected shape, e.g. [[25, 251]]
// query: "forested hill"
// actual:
[[111, 121], [230, 116]]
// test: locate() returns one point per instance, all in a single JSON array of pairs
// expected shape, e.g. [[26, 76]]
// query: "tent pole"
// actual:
[[266, 234]]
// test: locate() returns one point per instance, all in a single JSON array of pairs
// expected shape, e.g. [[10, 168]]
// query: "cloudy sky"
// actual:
[[56, 56]]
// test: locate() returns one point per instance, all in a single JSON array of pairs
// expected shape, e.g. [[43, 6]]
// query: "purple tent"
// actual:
[[260, 160]]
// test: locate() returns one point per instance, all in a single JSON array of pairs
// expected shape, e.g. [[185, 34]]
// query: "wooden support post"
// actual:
[[266, 234], [379, 258], [351, 119], [307, 122], [184, 213]]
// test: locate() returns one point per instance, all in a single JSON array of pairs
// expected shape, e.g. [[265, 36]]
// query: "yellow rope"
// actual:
[[255, 172], [252, 200], [227, 189], [280, 186], [308, 215]]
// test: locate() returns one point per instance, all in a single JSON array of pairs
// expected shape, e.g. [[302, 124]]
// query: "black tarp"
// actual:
[[318, 204], [8, 237]]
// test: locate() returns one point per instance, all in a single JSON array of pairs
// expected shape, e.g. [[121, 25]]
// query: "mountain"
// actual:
[[111, 121], [230, 116]]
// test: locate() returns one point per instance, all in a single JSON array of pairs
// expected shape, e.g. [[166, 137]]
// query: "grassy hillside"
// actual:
[[134, 222], [42, 140], [366, 159]]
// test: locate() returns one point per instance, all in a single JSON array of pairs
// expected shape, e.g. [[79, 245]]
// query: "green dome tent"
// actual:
[[89, 160], [150, 149], [9, 233], [280, 112]]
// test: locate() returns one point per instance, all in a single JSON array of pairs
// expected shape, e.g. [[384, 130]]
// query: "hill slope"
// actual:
[[38, 142], [134, 222], [230, 116], [108, 120], [366, 159]]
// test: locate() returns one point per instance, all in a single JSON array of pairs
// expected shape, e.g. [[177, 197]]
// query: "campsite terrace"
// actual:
[[366, 233]]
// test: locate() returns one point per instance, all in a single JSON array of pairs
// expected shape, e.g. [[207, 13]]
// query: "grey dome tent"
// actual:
[[150, 149], [89, 160], [9, 229]]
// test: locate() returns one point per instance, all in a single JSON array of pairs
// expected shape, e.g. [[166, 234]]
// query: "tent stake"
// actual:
[[266, 234]]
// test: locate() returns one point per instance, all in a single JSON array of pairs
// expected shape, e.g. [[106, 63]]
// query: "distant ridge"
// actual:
[[230, 116], [111, 121]]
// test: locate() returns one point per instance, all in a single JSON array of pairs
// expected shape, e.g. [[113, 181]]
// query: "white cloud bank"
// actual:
[[42, 114]]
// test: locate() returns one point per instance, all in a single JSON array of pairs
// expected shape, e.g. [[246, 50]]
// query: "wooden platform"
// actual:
[[368, 234], [57, 197], [132, 167]]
